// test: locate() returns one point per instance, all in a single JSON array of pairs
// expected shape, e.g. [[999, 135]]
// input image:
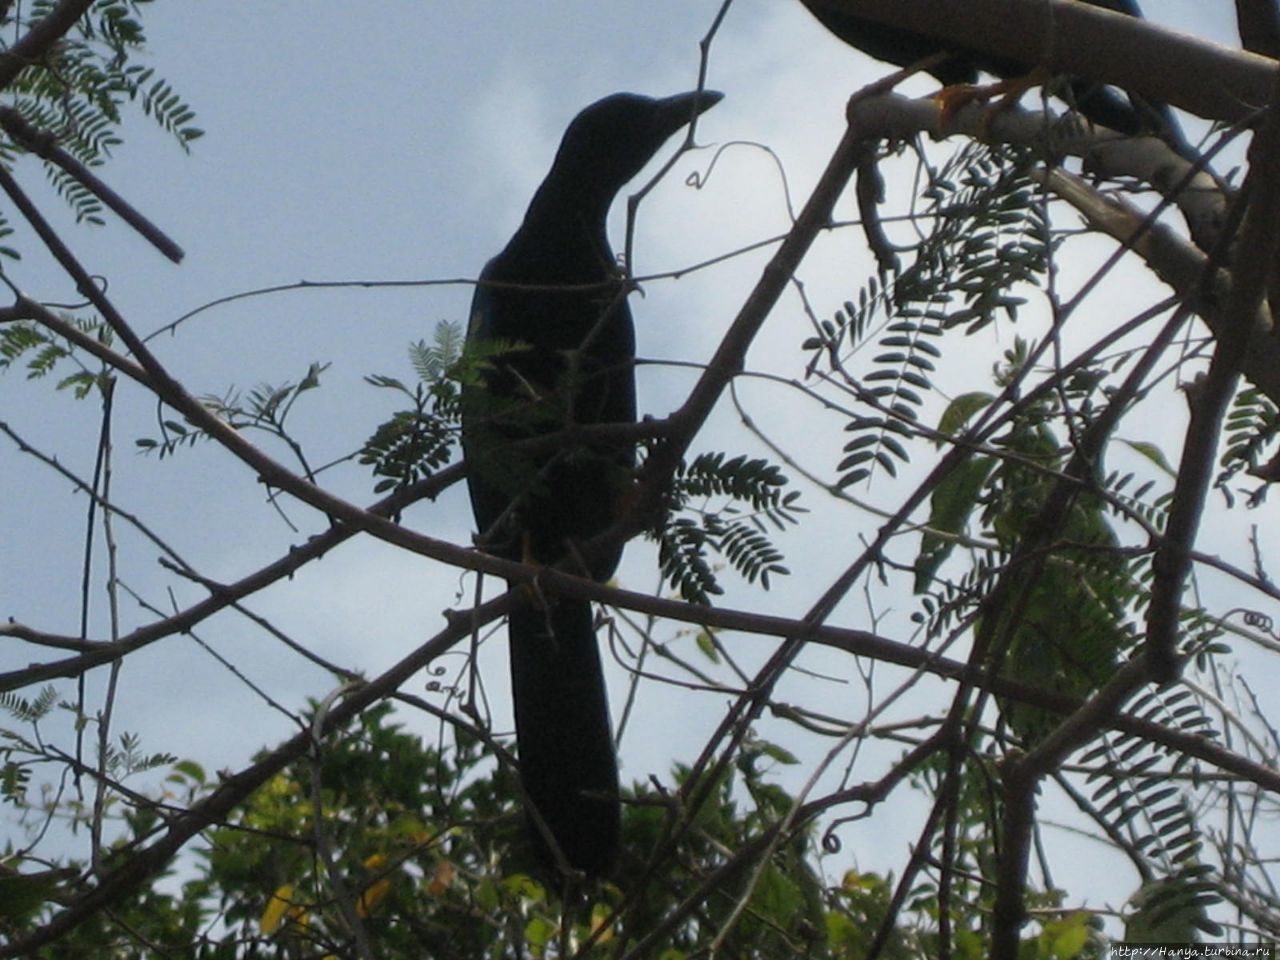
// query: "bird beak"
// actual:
[[674, 112]]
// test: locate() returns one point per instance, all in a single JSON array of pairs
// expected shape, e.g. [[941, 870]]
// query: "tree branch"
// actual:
[[37, 41], [1088, 41], [44, 144], [1260, 240]]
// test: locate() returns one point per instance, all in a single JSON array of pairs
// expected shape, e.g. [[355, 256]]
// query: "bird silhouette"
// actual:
[[555, 334]]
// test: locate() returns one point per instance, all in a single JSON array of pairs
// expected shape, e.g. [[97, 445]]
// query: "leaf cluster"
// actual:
[[265, 407], [41, 352], [74, 96], [419, 440], [970, 894], [78, 92], [425, 844], [1076, 616], [726, 507], [988, 237], [1251, 428], [1136, 794]]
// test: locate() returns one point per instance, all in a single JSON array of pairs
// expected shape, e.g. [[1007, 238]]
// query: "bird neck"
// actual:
[[568, 221]]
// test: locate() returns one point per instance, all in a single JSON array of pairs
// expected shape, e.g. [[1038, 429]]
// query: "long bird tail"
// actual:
[[566, 757]]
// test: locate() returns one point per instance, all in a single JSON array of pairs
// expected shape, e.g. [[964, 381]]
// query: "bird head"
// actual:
[[610, 141]]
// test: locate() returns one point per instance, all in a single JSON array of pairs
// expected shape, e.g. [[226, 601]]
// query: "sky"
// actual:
[[399, 141]]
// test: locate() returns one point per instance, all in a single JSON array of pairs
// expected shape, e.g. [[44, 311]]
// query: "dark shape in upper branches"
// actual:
[[1258, 22], [1099, 103]]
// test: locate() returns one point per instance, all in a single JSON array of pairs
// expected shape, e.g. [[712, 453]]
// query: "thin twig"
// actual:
[[113, 614]]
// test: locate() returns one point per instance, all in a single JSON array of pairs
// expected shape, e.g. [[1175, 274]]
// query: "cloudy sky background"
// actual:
[[401, 141]]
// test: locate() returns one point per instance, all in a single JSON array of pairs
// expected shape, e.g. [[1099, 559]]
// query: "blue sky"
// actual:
[[393, 140]]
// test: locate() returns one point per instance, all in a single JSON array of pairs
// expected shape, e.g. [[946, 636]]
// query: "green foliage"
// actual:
[[43, 353], [413, 831], [126, 758], [29, 711], [1251, 427], [421, 846], [6, 230], [1132, 792], [1173, 909], [1058, 932], [988, 238], [20, 753], [951, 505], [73, 96], [903, 369], [1071, 621], [417, 442], [78, 92], [1076, 607], [82, 201], [721, 506], [427, 846], [411, 446], [265, 408]]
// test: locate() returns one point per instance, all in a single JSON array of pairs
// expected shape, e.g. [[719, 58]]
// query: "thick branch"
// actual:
[[1260, 238], [1022, 775], [1175, 261], [37, 41], [1079, 38], [859, 643], [1179, 264]]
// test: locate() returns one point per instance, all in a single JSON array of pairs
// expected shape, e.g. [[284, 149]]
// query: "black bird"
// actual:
[[1099, 103], [561, 351]]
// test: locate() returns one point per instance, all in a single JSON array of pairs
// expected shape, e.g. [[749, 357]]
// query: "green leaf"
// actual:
[[961, 410], [1152, 453], [22, 895], [706, 644], [952, 503], [780, 754]]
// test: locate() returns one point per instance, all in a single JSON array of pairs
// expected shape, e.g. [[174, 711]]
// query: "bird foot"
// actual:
[[955, 97]]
